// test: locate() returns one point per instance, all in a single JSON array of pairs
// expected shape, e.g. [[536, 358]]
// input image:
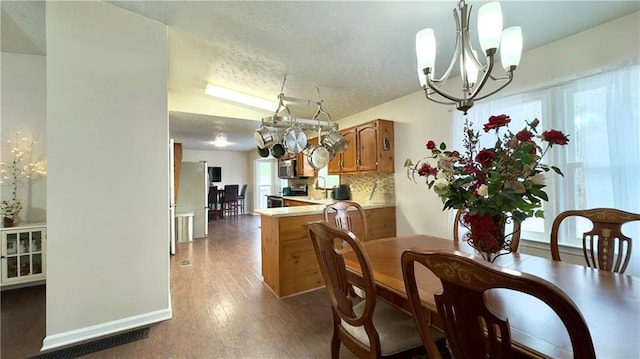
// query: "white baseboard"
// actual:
[[104, 329]]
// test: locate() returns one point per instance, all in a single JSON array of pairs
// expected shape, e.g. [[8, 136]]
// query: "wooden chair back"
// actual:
[[471, 328], [343, 218], [327, 243], [513, 234], [604, 246]]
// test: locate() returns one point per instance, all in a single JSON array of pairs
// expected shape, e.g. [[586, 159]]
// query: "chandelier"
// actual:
[[491, 38]]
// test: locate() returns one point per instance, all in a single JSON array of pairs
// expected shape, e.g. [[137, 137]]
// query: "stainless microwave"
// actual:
[[287, 169]]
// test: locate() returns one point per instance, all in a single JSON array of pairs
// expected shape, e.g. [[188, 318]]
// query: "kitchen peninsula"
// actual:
[[289, 264]]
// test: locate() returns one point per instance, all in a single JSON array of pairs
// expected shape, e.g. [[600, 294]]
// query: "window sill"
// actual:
[[545, 246]]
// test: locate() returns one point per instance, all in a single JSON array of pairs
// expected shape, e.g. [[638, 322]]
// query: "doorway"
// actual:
[[265, 184]]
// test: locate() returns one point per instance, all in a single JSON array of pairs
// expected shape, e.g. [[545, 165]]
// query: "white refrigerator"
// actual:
[[192, 195]]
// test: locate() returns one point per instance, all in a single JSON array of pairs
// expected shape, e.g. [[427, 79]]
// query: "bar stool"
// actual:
[[243, 191], [230, 200]]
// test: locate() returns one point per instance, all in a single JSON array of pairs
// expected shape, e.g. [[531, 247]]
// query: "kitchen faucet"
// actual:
[[324, 180]]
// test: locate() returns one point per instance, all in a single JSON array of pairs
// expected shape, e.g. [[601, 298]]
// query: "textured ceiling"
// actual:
[[358, 54]]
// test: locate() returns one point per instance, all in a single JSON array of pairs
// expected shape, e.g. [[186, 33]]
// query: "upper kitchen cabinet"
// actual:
[[371, 149], [303, 167]]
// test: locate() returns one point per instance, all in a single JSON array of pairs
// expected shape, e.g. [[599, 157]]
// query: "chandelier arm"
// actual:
[[437, 90], [485, 77], [510, 78], [466, 53], [509, 74], [428, 96]]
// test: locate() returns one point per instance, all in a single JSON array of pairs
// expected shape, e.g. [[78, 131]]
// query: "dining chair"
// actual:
[[471, 328], [514, 232], [366, 326], [213, 202], [243, 192], [230, 200], [604, 246], [343, 217]]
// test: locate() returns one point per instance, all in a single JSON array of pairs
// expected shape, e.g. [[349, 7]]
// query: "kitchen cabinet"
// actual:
[[289, 264], [23, 254], [303, 167], [371, 149]]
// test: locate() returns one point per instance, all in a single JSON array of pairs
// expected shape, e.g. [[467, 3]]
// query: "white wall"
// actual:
[[236, 168], [108, 135], [24, 107], [418, 120]]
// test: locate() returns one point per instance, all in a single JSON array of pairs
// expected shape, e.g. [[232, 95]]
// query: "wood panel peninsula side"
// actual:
[[289, 264]]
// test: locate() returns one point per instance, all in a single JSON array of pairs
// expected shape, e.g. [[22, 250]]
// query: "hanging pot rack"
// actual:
[[295, 140]]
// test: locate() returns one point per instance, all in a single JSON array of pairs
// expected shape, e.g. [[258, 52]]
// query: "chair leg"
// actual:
[[335, 345]]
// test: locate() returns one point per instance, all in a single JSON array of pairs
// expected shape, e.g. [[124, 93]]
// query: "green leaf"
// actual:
[[443, 146], [539, 193], [557, 170]]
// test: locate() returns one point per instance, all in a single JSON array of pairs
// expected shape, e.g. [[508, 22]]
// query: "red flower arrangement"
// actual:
[[489, 182]]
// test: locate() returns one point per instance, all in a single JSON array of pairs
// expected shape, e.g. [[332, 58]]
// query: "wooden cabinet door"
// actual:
[[333, 168], [303, 167], [350, 156], [385, 143], [367, 147]]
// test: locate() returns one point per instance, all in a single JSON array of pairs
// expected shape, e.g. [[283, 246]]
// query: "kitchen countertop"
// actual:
[[316, 206]]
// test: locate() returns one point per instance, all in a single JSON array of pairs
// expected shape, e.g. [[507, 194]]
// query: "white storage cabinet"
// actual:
[[23, 254]]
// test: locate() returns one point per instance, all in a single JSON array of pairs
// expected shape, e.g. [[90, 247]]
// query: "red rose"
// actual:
[[427, 170], [524, 136], [485, 157], [555, 137], [431, 145], [455, 154], [496, 122]]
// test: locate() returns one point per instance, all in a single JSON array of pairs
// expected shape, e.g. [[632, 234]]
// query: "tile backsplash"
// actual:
[[362, 185]]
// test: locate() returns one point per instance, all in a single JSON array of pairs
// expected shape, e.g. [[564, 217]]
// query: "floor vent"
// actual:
[[95, 345]]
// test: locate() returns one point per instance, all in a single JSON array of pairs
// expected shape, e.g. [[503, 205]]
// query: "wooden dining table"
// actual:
[[609, 302]]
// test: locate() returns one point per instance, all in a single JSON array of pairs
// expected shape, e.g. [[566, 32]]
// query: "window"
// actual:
[[601, 164], [332, 180]]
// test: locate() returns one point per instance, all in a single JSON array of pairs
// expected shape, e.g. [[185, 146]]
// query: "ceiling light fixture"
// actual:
[[221, 141], [248, 100], [490, 34]]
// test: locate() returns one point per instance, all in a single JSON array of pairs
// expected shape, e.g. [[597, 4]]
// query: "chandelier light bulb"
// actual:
[[425, 49], [471, 69], [511, 49], [490, 26]]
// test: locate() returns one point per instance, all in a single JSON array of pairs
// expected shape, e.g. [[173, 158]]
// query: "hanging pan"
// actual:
[[264, 137], [318, 157], [263, 152], [278, 150], [295, 140]]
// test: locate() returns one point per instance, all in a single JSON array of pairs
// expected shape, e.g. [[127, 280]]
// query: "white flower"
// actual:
[[442, 175], [10, 208], [483, 190], [440, 184], [538, 178]]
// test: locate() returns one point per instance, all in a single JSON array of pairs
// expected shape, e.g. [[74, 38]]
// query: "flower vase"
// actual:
[[7, 222], [487, 234]]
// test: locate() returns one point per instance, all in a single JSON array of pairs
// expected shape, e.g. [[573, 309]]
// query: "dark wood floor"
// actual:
[[221, 308]]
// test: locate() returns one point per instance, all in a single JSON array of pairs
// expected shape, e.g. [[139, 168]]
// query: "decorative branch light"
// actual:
[[491, 38]]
